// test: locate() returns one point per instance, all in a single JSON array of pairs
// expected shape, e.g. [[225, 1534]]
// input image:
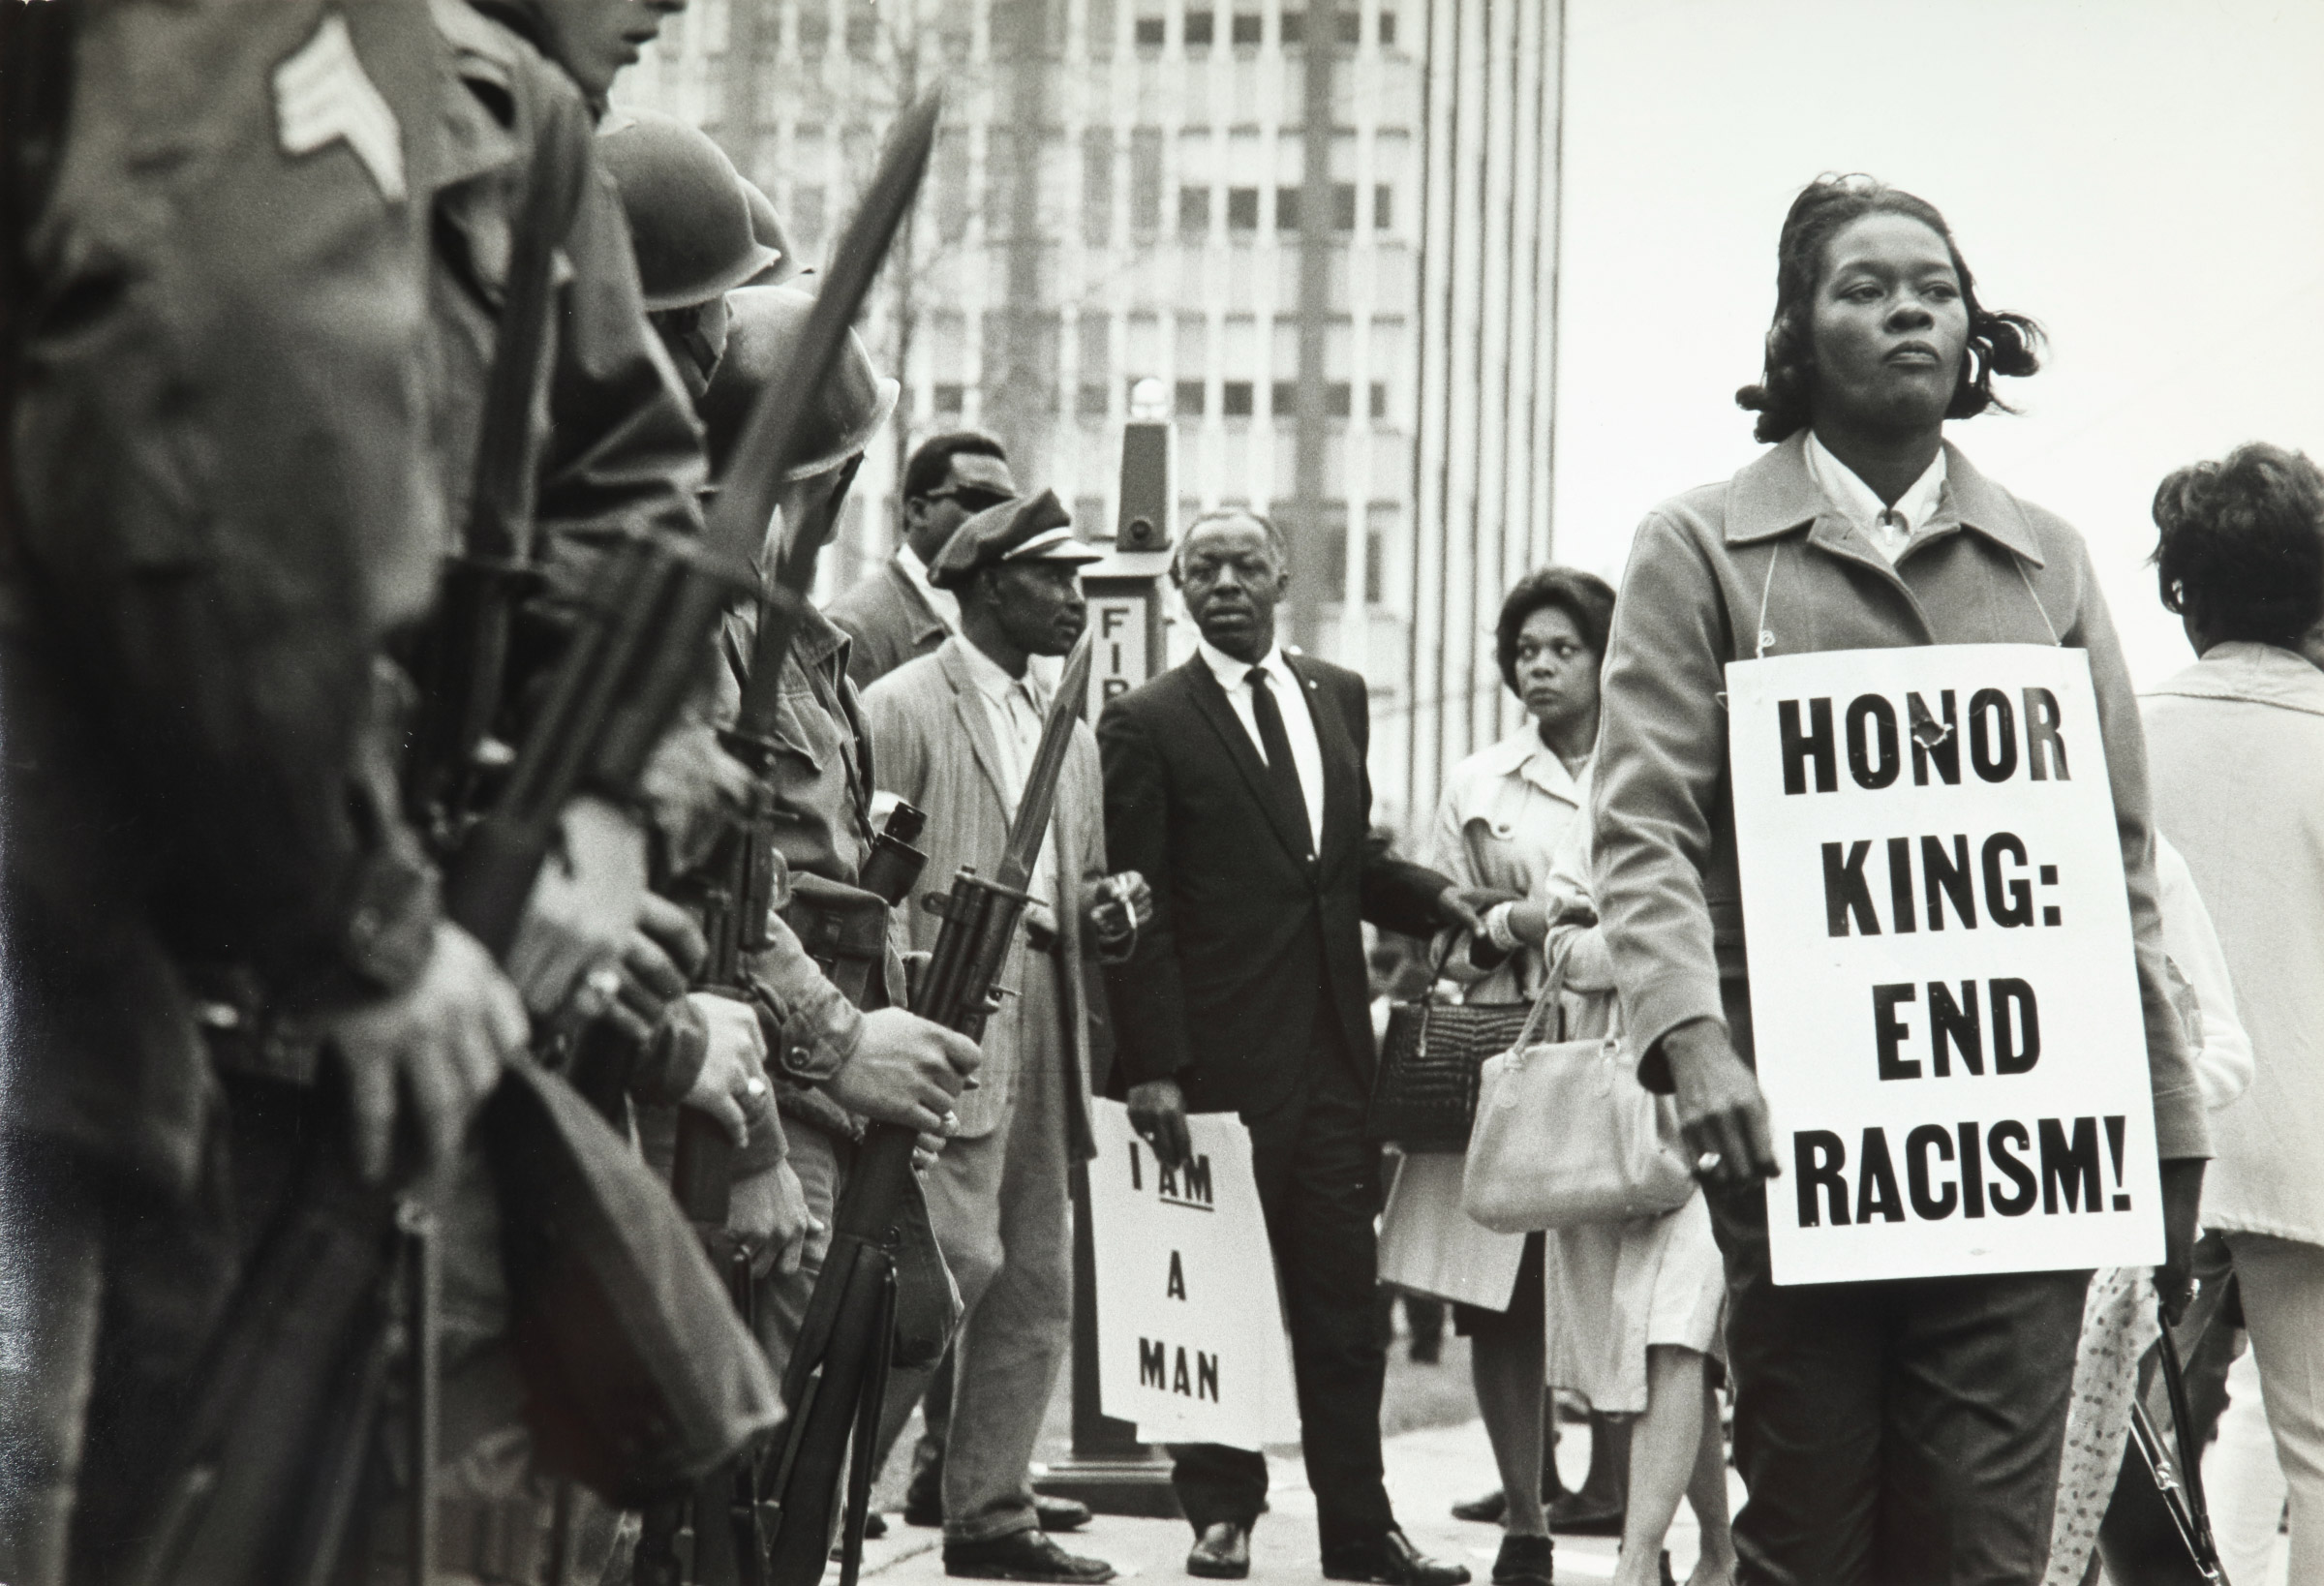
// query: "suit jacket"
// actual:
[[934, 745], [1221, 992], [890, 620]]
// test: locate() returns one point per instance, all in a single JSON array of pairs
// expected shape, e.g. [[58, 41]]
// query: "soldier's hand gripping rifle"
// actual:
[[261, 1483], [837, 1372]]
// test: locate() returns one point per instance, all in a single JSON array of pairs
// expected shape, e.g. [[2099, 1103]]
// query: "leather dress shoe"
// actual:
[[1393, 1561], [1574, 1515], [1524, 1561], [1222, 1552], [1059, 1514], [1021, 1555]]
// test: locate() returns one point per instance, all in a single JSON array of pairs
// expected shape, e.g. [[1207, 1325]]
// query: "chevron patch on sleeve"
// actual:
[[321, 96]]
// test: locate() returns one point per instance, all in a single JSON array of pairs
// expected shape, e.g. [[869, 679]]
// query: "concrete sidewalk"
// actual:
[[1427, 1471]]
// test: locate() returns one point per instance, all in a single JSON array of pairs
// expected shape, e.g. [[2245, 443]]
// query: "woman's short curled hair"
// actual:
[[1999, 343], [1583, 597], [2242, 544]]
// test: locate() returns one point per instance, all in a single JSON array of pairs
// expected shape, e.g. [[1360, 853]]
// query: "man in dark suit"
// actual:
[[896, 615], [1235, 783]]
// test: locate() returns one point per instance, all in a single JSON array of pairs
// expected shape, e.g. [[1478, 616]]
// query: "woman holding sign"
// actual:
[[1907, 1429]]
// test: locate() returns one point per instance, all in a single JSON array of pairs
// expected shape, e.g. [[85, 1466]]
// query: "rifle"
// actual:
[[464, 661], [837, 1370], [736, 904]]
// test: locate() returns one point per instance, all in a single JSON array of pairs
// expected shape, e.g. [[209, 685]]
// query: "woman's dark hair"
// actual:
[[2242, 544], [1999, 344], [1583, 597]]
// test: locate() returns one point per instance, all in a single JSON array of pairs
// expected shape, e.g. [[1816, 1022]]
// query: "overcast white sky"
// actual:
[[2146, 177]]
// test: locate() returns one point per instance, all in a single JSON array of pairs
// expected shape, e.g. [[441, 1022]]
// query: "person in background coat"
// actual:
[[955, 734], [1904, 1431], [898, 614], [2238, 742], [1236, 784]]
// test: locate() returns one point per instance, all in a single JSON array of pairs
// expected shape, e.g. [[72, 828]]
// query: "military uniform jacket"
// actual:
[[622, 450], [224, 496], [820, 787]]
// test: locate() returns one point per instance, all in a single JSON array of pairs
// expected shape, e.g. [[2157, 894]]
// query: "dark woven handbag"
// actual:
[[1424, 1091]]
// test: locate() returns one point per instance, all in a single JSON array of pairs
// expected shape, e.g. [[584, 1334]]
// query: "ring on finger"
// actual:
[[1708, 1162]]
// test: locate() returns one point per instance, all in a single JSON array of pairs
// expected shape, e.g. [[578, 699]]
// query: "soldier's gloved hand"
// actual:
[[905, 1070], [429, 1054], [584, 906], [732, 1086], [767, 1215]]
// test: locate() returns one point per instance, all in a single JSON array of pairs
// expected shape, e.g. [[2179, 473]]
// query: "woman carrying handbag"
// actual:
[[1504, 811], [1634, 1303]]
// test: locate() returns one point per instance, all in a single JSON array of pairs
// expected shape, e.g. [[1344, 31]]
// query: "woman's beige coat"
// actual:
[[1764, 563]]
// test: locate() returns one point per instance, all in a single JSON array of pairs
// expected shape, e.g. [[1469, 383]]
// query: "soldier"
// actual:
[[769, 232], [221, 502], [691, 226], [838, 1064]]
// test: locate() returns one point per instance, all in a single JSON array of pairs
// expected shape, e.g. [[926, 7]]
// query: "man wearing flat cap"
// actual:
[[955, 732]]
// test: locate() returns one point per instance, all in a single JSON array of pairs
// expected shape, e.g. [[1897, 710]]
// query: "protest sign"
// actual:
[[1943, 996], [1189, 1326]]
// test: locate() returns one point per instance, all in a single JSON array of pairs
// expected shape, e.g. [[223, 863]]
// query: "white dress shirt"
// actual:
[[1890, 528], [1299, 719], [1015, 706], [943, 602]]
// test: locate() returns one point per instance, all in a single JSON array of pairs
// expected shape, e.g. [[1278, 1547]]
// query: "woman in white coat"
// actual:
[[1635, 1307], [2236, 745], [1505, 809]]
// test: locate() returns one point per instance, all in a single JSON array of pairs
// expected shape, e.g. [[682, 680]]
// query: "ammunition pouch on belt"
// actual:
[[844, 930]]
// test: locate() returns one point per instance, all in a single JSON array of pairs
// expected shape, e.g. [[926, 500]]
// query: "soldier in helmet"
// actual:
[[691, 225], [822, 790], [766, 227]]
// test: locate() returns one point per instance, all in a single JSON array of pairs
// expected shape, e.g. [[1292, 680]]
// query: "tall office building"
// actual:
[[1325, 227]]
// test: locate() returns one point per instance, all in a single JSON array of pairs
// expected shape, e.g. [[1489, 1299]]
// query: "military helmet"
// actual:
[[766, 227], [690, 222], [764, 326]]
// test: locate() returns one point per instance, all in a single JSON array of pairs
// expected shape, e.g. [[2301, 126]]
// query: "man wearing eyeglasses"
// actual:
[[894, 614]]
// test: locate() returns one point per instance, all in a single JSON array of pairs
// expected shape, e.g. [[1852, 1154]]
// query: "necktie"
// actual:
[[1280, 770]]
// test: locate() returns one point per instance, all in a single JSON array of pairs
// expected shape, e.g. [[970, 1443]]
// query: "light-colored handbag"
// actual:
[[1565, 1135]]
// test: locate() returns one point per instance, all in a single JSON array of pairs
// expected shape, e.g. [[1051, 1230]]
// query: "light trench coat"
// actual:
[[1503, 812]]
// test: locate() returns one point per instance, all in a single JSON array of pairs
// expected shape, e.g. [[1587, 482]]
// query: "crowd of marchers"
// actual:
[[482, 946]]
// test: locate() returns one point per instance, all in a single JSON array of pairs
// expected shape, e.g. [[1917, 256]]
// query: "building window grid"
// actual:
[[1194, 398]]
